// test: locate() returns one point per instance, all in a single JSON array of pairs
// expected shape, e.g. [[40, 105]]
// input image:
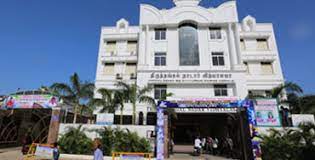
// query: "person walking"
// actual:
[[98, 153]]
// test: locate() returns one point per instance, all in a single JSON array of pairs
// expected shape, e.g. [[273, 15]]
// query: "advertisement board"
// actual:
[[43, 152], [29, 101], [297, 119], [105, 119], [267, 113]]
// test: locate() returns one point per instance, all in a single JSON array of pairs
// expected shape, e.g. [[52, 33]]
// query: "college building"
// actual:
[[192, 52]]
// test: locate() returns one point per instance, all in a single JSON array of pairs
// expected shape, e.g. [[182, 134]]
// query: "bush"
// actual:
[[75, 141], [118, 140], [290, 144]]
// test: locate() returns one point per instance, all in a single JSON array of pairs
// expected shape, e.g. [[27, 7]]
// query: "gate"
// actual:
[[19, 123]]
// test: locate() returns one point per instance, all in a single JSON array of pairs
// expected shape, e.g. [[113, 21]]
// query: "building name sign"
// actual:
[[206, 110], [201, 77]]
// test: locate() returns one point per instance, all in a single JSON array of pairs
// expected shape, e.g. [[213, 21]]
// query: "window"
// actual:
[[131, 70], [215, 33], [188, 45], [218, 59], [220, 90], [242, 43], [160, 34], [266, 68], [151, 118], [268, 94], [160, 59], [262, 44], [110, 47], [109, 68], [160, 92], [132, 47], [126, 119], [247, 68]]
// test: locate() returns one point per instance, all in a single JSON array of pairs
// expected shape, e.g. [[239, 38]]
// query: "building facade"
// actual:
[[192, 52]]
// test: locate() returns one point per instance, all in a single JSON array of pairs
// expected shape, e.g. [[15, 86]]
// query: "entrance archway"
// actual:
[[220, 120]]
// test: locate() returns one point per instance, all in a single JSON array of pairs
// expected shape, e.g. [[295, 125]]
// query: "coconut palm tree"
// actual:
[[76, 94], [136, 94], [107, 101], [289, 87]]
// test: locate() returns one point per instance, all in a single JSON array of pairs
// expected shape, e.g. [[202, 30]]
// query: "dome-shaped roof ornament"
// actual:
[[186, 2]]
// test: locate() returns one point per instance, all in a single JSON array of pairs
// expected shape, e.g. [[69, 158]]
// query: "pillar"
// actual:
[[54, 126]]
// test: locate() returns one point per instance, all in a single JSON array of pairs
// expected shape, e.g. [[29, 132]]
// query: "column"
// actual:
[[54, 126], [232, 49], [147, 39], [237, 43]]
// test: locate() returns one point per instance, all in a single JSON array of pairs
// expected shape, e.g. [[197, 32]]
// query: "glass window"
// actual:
[[110, 47], [266, 68], [160, 34], [188, 45], [160, 59], [220, 90], [109, 68], [160, 92], [218, 59], [262, 44], [132, 47], [131, 68], [215, 33]]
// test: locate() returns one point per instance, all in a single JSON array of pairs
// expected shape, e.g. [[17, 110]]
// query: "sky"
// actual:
[[46, 41]]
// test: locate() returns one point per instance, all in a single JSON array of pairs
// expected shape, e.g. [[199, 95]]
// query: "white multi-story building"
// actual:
[[192, 52]]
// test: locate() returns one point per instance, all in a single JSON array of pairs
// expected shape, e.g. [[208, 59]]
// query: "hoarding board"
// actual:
[[267, 113], [105, 119], [30, 101], [298, 119]]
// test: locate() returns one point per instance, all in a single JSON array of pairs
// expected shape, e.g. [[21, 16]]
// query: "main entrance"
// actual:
[[229, 123], [225, 127]]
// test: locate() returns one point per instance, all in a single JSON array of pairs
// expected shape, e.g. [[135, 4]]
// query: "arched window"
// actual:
[[188, 45]]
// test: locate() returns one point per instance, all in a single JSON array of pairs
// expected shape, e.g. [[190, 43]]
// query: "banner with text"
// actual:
[[267, 113]]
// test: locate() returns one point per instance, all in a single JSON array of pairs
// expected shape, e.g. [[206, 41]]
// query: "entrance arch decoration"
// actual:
[[207, 105]]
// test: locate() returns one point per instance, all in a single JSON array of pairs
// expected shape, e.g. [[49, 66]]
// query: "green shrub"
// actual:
[[75, 141], [290, 144], [118, 140]]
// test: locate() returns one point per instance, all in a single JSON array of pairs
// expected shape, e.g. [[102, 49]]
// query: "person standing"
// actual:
[[56, 152], [98, 153], [197, 146], [209, 145], [215, 146]]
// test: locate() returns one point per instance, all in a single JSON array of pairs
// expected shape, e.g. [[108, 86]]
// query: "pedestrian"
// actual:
[[98, 153], [215, 146], [197, 146], [203, 142], [56, 152], [209, 145]]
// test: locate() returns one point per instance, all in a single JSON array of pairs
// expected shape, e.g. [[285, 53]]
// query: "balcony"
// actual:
[[257, 55], [118, 77], [120, 57]]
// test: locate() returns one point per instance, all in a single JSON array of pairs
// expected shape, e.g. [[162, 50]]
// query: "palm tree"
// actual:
[[289, 87], [121, 96], [76, 94], [107, 101], [136, 94]]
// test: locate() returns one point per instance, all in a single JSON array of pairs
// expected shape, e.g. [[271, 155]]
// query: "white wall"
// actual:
[[141, 130]]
